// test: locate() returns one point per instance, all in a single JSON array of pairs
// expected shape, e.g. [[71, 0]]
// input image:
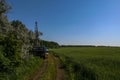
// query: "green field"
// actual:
[[91, 63]]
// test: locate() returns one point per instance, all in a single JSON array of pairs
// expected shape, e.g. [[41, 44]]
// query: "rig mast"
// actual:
[[37, 34]]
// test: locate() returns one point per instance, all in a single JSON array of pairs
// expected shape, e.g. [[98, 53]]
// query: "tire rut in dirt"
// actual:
[[41, 71], [60, 70]]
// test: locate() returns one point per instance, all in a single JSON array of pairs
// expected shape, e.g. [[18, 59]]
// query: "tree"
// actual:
[[50, 44], [4, 7], [10, 49], [24, 35]]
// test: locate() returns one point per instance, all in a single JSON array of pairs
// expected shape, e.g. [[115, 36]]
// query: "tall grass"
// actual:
[[24, 71], [91, 63], [28, 67]]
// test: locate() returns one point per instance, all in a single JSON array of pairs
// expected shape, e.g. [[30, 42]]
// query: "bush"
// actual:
[[12, 66]]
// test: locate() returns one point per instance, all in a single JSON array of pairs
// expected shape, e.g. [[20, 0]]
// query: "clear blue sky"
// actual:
[[95, 22]]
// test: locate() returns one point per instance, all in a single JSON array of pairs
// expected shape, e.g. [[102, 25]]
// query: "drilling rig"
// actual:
[[38, 50], [37, 35]]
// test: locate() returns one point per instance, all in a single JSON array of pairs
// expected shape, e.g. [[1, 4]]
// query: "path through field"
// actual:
[[49, 70]]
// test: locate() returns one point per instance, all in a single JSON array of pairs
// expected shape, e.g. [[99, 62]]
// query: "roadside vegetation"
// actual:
[[90, 63]]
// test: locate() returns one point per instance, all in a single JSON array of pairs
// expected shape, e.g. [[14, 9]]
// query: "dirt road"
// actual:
[[60, 70], [39, 73], [49, 70]]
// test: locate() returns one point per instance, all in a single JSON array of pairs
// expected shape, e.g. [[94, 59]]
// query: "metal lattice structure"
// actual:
[[37, 35]]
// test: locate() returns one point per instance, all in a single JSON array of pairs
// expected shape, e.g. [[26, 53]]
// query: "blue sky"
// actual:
[[85, 22]]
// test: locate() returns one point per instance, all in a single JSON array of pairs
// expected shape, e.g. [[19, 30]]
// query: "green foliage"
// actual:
[[11, 46], [22, 33], [22, 72], [4, 62], [9, 54], [26, 68], [50, 44], [4, 7], [91, 63]]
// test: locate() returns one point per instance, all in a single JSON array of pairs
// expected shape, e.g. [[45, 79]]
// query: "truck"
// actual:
[[39, 51]]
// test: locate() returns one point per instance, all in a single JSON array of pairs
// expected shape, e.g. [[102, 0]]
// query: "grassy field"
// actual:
[[91, 63]]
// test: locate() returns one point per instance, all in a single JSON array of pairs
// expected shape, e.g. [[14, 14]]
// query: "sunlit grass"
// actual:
[[93, 63]]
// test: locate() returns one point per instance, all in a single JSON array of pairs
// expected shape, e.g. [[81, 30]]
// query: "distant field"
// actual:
[[91, 63]]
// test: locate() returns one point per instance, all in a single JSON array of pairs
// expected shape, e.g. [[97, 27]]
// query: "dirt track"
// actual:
[[38, 75], [60, 70]]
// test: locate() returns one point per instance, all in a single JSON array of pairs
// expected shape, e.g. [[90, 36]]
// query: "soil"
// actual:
[[60, 71]]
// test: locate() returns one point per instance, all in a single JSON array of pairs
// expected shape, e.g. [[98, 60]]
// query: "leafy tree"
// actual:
[[50, 44], [9, 53], [23, 34], [12, 46], [4, 7], [4, 62]]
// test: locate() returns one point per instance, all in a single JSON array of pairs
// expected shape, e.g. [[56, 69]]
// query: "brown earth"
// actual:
[[60, 70]]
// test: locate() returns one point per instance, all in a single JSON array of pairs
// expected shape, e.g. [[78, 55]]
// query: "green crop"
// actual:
[[91, 63]]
